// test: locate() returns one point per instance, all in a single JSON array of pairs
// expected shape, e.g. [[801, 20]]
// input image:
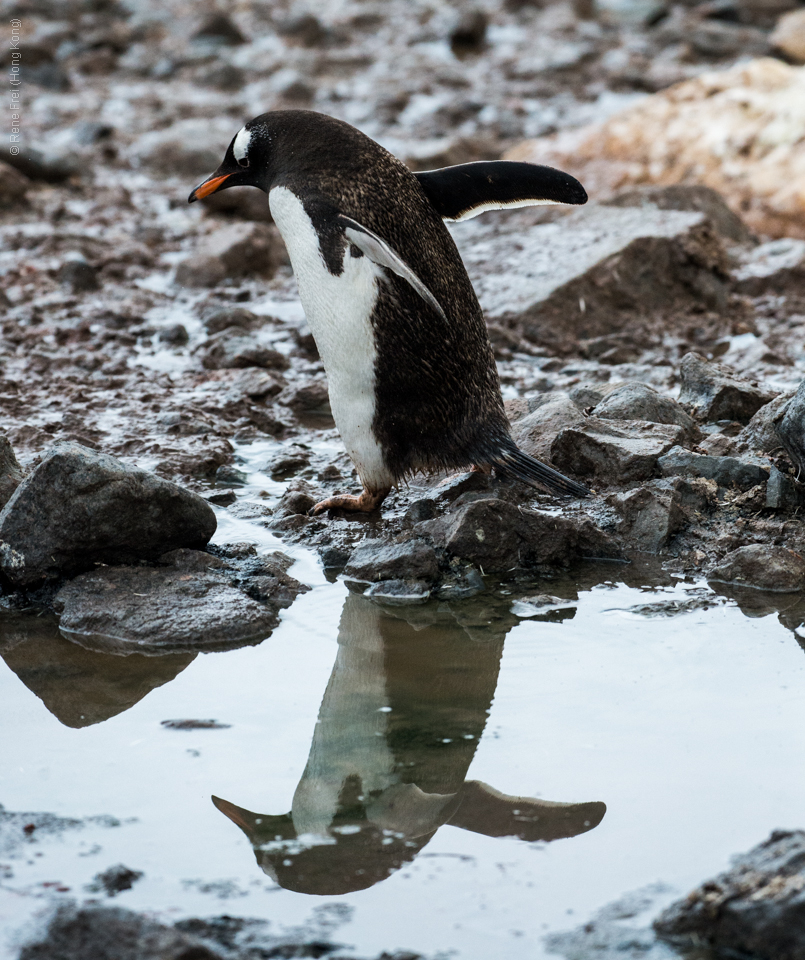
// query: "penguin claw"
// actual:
[[365, 503]]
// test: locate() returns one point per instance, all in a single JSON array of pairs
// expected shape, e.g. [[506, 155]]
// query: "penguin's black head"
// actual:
[[246, 163]]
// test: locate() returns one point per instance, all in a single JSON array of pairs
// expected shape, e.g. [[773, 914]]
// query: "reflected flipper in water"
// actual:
[[398, 727]]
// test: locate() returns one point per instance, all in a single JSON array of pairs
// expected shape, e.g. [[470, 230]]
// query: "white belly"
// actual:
[[338, 310]]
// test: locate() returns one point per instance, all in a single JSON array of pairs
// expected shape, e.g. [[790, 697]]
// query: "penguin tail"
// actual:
[[518, 464]]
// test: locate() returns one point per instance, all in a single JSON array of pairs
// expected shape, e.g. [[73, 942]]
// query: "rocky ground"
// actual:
[[649, 344]]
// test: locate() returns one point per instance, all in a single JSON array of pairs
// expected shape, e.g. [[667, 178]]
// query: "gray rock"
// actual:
[[296, 501], [743, 472], [36, 165], [242, 203], [649, 517], [595, 271], [219, 30], [791, 429], [292, 459], [469, 33], [310, 396], [692, 197], [114, 880], [638, 401], [13, 187], [200, 271], [233, 349], [461, 585], [175, 335], [80, 507], [112, 933], [190, 148], [535, 432], [757, 908], [194, 603], [245, 249], [777, 266], [399, 593], [10, 471], [614, 452], [231, 317], [783, 492], [712, 391], [760, 433], [498, 536], [79, 276], [375, 560], [763, 567]]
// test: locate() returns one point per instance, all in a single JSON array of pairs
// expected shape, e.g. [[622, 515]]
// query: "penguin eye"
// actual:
[[244, 162]]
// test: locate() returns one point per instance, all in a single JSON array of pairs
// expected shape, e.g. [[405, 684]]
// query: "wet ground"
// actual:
[[678, 707]]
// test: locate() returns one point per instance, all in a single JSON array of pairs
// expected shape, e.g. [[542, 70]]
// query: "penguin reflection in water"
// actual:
[[397, 730], [411, 372]]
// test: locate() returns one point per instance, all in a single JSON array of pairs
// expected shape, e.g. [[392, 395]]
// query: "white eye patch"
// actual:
[[240, 148]]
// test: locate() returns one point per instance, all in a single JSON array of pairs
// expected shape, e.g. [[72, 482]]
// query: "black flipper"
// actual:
[[513, 461], [464, 191]]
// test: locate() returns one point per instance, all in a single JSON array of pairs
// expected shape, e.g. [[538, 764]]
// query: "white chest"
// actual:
[[339, 310]]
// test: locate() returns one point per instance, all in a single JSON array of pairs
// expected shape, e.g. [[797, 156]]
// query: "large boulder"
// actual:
[[738, 131], [757, 908], [79, 508], [596, 271]]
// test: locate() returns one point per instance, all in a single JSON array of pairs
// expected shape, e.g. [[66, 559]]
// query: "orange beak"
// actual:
[[209, 186]]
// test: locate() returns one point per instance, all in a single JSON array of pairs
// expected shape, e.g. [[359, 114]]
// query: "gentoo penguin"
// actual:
[[411, 372]]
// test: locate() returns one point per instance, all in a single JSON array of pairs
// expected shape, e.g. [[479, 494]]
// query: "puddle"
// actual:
[[461, 780]]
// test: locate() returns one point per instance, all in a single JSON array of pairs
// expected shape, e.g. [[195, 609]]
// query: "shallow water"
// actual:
[[350, 744]]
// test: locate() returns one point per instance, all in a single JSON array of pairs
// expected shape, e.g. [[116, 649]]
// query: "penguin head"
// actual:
[[247, 163]]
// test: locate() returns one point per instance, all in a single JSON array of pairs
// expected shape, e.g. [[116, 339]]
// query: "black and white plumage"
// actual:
[[412, 377]]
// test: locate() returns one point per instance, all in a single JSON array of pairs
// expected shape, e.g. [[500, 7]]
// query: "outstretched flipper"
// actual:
[[461, 192], [379, 252]]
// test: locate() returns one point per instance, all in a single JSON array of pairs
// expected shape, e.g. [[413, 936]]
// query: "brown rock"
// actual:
[[789, 35], [712, 391], [738, 131], [13, 187], [763, 567], [233, 349], [597, 271], [614, 452], [200, 271]]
